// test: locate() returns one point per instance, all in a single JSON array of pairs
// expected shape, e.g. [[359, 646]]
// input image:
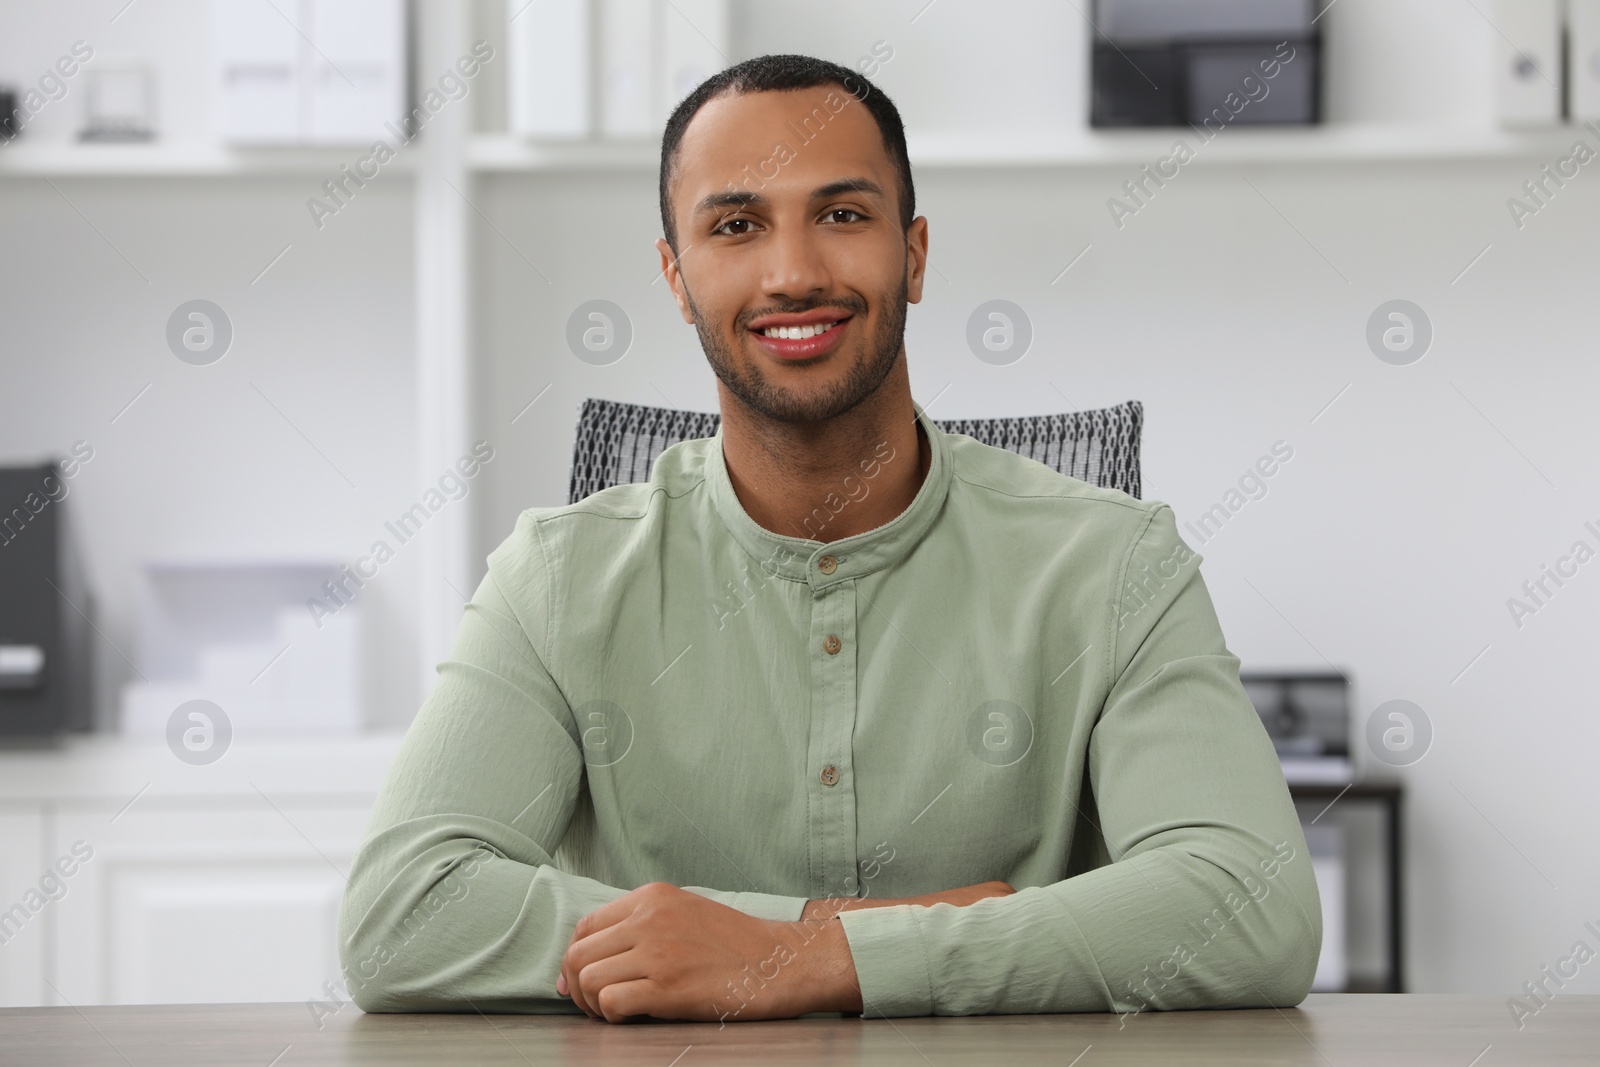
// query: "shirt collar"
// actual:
[[801, 558]]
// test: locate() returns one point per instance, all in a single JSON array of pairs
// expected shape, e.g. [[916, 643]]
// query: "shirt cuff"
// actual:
[[891, 961]]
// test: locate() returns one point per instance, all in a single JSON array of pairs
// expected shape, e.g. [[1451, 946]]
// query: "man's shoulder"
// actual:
[[616, 511], [1003, 478]]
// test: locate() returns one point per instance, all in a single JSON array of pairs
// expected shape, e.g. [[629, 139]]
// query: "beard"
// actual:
[[772, 401]]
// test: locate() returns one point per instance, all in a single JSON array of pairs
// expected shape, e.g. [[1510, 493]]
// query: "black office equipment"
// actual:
[[1306, 715], [1206, 64], [10, 124], [46, 634]]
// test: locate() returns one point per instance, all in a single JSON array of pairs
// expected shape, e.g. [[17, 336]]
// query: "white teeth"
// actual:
[[796, 333]]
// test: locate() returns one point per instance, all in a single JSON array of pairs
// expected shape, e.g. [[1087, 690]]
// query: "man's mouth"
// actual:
[[797, 333], [808, 341]]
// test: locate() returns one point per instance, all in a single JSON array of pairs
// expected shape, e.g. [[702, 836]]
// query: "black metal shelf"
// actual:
[[1389, 796]]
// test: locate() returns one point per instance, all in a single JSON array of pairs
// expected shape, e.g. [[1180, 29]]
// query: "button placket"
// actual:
[[833, 718]]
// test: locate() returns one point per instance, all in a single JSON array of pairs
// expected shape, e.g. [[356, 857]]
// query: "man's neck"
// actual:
[[832, 480]]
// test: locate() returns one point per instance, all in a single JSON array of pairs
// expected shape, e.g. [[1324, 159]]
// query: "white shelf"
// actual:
[[179, 159], [1361, 142], [503, 153], [1331, 142], [1124, 147]]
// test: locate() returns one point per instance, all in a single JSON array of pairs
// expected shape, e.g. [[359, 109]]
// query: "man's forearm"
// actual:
[[828, 971]]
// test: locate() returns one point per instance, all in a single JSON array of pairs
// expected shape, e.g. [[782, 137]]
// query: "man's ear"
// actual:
[[916, 258], [669, 269]]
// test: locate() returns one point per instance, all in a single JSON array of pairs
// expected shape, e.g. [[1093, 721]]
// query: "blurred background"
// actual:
[[287, 292]]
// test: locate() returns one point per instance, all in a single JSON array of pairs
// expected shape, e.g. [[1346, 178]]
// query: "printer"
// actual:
[[1182, 62], [46, 612]]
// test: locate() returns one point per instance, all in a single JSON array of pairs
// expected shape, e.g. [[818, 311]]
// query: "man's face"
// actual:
[[773, 228]]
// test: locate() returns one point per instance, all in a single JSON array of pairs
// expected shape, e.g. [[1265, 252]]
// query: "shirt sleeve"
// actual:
[[454, 902], [1209, 900]]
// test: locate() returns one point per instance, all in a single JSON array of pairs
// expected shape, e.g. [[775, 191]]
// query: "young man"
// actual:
[[778, 731]]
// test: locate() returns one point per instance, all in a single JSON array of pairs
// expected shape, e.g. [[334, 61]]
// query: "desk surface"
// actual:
[[1329, 1030]]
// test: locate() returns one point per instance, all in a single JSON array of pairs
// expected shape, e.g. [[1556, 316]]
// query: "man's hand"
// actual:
[[968, 894], [667, 953]]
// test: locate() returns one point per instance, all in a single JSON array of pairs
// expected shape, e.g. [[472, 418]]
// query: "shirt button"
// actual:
[[827, 564], [831, 644], [829, 775]]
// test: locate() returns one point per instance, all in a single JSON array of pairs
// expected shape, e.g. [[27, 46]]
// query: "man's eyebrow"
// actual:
[[741, 198]]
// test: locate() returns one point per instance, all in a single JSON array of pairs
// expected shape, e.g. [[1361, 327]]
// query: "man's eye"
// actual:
[[732, 222], [847, 211]]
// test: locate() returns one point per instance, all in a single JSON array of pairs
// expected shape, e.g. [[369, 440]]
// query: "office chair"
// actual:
[[617, 443]]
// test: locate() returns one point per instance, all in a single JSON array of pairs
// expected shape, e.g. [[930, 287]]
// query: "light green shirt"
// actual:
[[1020, 678]]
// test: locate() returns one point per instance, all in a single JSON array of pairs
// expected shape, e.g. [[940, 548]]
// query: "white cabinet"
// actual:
[[189, 905], [22, 904], [171, 883]]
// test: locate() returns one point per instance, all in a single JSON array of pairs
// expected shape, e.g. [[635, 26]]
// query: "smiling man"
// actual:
[[837, 712]]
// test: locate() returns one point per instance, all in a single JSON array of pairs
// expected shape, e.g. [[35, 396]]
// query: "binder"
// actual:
[[1528, 62], [628, 65], [616, 68], [550, 68], [694, 35], [308, 71], [1583, 63], [257, 75], [355, 77]]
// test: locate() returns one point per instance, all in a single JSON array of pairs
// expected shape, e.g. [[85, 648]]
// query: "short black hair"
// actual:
[[776, 73]]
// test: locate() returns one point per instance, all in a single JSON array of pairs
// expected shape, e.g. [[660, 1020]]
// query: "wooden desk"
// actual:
[[1329, 1030]]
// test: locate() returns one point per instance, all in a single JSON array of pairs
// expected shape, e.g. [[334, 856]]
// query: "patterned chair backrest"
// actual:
[[617, 443]]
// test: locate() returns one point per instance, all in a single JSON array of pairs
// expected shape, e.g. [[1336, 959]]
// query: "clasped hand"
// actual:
[[665, 953]]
